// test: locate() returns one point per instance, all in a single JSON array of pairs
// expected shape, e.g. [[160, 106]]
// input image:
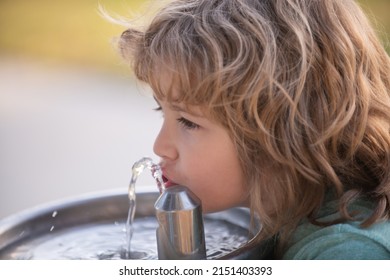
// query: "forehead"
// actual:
[[169, 87], [164, 84], [173, 86]]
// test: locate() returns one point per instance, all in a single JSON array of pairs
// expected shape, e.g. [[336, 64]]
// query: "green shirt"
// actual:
[[345, 241]]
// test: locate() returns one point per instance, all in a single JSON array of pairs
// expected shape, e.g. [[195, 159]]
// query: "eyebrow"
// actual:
[[178, 108], [172, 105]]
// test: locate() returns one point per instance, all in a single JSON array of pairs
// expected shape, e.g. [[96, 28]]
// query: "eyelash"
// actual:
[[183, 121], [187, 124]]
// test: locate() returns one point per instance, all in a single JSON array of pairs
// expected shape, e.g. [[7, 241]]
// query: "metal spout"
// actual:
[[180, 234]]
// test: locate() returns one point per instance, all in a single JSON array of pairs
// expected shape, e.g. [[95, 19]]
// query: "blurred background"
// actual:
[[72, 118]]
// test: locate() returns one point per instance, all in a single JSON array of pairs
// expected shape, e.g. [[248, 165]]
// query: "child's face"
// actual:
[[199, 154]]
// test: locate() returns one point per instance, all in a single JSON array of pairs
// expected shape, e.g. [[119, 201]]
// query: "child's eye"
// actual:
[[187, 124]]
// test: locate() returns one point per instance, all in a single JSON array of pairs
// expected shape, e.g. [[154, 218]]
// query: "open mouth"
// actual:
[[167, 182]]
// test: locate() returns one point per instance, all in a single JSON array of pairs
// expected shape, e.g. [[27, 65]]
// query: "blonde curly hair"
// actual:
[[302, 86]]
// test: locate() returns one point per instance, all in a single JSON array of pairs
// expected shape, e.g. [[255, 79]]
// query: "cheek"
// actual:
[[218, 181]]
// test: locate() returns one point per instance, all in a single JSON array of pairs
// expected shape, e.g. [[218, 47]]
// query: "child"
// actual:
[[282, 106]]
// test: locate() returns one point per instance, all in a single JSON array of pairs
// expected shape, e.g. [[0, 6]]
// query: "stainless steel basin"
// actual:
[[108, 208]]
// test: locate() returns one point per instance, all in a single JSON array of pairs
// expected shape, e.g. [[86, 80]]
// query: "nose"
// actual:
[[164, 145]]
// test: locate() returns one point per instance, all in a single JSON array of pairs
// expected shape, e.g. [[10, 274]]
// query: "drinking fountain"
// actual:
[[92, 227]]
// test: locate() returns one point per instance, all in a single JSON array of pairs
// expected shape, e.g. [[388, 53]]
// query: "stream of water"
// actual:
[[137, 169]]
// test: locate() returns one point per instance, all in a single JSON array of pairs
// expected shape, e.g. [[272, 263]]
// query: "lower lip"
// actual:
[[169, 184]]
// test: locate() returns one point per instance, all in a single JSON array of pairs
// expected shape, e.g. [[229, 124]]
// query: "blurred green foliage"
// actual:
[[65, 31], [378, 12], [72, 31]]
